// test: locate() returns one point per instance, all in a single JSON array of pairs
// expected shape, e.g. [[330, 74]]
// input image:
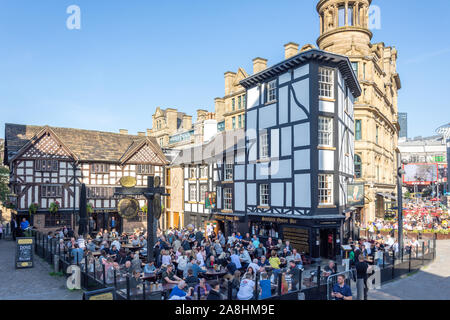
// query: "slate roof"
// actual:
[[87, 145]]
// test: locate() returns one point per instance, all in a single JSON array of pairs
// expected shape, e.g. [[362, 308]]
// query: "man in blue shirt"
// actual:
[[238, 236], [255, 241], [235, 259], [77, 254], [24, 224], [178, 291], [341, 291]]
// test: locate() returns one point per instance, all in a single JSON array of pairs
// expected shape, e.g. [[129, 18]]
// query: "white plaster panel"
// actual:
[[250, 172], [275, 143], [267, 116], [277, 194], [262, 171], [301, 135], [286, 141], [326, 160], [251, 194], [326, 106], [252, 97], [239, 196], [219, 197], [285, 77], [281, 169], [239, 172], [303, 190], [301, 90], [288, 194], [301, 71], [302, 159], [283, 104]]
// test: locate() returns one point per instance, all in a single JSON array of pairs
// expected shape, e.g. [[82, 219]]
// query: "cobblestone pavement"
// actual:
[[432, 282], [30, 284]]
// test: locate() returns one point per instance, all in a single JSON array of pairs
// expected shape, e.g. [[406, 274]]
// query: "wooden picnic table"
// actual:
[[210, 272]]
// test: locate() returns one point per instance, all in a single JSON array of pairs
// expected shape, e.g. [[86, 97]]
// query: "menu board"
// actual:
[[102, 294], [298, 237], [24, 253]]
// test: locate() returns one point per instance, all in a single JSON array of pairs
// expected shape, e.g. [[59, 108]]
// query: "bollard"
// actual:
[[423, 253], [104, 274], [128, 287]]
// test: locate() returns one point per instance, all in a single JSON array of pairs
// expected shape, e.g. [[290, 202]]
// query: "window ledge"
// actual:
[[327, 99], [326, 148], [270, 102], [227, 211], [192, 202], [227, 181], [326, 206], [265, 160], [263, 207], [204, 179]]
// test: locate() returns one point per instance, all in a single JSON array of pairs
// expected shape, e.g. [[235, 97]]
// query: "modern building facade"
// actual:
[[403, 122], [344, 29]]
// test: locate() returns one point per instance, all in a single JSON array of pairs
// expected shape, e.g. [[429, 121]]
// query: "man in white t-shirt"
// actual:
[[247, 288], [254, 265]]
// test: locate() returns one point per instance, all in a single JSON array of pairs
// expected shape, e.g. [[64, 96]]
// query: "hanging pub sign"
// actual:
[[355, 194], [128, 208], [128, 182], [24, 253], [210, 200]]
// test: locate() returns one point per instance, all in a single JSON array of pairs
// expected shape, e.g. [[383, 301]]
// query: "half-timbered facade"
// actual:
[[48, 166], [291, 181]]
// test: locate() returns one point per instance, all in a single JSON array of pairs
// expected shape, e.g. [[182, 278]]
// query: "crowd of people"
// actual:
[[182, 259]]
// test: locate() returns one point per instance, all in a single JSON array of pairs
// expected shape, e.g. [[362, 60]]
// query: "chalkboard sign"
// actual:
[[102, 294], [24, 253]]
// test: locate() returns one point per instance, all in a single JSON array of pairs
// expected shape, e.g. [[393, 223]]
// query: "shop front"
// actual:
[[317, 237], [230, 223]]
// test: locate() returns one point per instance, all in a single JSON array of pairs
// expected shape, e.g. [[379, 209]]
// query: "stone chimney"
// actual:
[[290, 49], [229, 77], [149, 132], [259, 64], [123, 131], [187, 122], [141, 134]]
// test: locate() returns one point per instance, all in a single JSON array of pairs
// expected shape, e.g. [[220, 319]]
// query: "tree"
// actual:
[[4, 180]]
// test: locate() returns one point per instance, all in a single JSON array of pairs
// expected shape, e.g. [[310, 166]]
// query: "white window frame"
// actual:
[[228, 171], [193, 192], [326, 189], [203, 190], [204, 172], [192, 173], [264, 144], [227, 199], [264, 195], [326, 82], [325, 131], [271, 88]]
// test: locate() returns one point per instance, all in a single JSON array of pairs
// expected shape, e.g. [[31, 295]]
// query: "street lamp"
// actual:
[[400, 173]]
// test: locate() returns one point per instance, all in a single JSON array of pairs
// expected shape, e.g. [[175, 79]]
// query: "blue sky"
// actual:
[[131, 56]]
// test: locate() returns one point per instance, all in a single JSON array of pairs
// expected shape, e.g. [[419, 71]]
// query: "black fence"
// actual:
[[94, 276]]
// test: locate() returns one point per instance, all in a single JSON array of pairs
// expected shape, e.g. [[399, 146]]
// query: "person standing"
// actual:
[[1, 230], [24, 225], [113, 223], [361, 278]]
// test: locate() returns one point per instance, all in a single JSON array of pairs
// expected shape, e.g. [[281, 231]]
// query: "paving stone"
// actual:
[[30, 284]]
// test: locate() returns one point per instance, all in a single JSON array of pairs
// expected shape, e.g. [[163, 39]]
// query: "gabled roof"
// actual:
[[341, 62], [84, 145]]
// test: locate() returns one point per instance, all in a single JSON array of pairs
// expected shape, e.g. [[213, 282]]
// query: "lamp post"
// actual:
[[400, 173]]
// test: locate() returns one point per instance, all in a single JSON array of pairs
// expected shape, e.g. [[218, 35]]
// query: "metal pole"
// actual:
[[86, 272], [151, 223], [279, 284], [230, 291], [198, 293], [409, 262], [423, 253], [393, 265], [143, 290], [104, 274], [128, 287], [256, 285], [400, 204]]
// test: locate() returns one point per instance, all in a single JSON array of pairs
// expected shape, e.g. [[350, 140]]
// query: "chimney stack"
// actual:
[[229, 78], [259, 64], [123, 131], [290, 49], [141, 134], [149, 132]]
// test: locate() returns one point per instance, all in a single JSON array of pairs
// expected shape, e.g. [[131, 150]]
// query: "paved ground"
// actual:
[[432, 282], [30, 284]]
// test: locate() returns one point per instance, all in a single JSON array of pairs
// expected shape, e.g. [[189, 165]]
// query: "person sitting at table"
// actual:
[[90, 245], [260, 251], [200, 256], [182, 262], [251, 272], [211, 262], [238, 236], [263, 263], [246, 288], [178, 292], [247, 239], [169, 276], [214, 293], [231, 239], [136, 263], [255, 241], [165, 257], [275, 264], [236, 260], [176, 244], [77, 254], [230, 268], [114, 234], [270, 243], [135, 280], [127, 268], [204, 287], [150, 267], [191, 279], [244, 257], [296, 257], [99, 235], [254, 265], [330, 269], [186, 245], [218, 247], [135, 241], [113, 252]]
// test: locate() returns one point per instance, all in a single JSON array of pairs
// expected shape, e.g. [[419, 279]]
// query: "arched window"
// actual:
[[358, 166]]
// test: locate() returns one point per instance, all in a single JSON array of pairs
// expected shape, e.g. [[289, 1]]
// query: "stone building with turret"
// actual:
[[344, 29]]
